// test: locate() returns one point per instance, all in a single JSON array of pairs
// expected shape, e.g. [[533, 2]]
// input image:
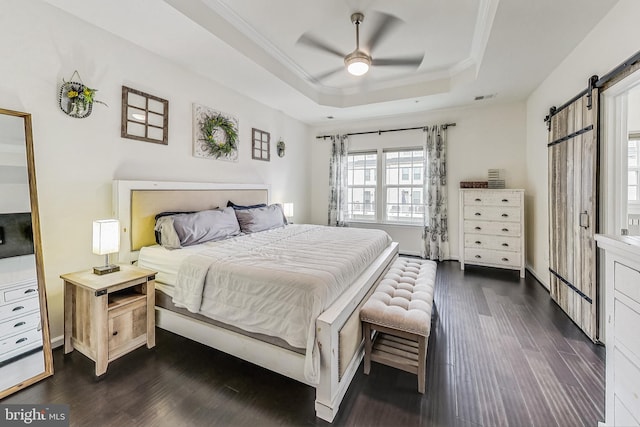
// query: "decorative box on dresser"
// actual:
[[492, 228], [107, 316], [622, 332]]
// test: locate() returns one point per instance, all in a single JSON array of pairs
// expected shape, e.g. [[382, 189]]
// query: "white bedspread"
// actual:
[[277, 282]]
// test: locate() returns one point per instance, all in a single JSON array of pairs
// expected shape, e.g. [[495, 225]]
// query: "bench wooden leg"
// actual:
[[422, 363], [367, 347]]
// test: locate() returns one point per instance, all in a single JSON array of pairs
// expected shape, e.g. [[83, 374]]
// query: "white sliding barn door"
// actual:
[[573, 167]]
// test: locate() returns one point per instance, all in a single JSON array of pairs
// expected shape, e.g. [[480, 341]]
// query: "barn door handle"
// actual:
[[584, 219]]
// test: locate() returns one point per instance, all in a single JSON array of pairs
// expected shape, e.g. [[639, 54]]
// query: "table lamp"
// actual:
[[106, 240]]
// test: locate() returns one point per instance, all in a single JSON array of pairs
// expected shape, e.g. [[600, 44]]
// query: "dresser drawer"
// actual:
[[627, 321], [499, 243], [20, 324], [492, 228], [485, 256], [18, 308], [492, 213], [32, 337], [627, 281], [627, 383], [21, 292], [487, 198]]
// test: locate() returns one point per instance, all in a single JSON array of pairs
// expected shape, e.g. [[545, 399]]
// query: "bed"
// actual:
[[325, 353]]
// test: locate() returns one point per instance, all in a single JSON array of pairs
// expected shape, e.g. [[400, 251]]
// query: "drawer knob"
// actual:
[[505, 215], [17, 325], [20, 307], [506, 230], [30, 290], [478, 214], [506, 245], [115, 333], [505, 200], [478, 200], [23, 339], [478, 256], [478, 242], [505, 259], [478, 228]]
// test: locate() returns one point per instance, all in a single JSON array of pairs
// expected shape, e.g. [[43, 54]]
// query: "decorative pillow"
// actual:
[[205, 226], [241, 207], [261, 219], [165, 232]]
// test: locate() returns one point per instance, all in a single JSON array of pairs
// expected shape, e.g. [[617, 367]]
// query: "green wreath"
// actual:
[[208, 128]]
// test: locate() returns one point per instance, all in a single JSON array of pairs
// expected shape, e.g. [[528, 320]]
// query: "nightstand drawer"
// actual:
[[127, 327]]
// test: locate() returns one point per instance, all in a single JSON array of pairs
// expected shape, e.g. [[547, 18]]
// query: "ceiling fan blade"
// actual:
[[313, 42], [407, 61], [386, 24], [327, 74]]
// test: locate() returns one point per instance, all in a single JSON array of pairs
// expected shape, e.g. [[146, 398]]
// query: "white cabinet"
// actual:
[[492, 228], [622, 318], [19, 319]]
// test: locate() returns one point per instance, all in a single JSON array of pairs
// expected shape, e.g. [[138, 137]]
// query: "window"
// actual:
[[361, 186], [403, 186], [633, 169]]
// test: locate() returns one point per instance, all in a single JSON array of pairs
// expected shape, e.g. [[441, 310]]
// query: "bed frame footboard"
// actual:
[[333, 385]]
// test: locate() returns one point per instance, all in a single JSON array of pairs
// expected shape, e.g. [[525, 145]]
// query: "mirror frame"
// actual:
[[37, 246]]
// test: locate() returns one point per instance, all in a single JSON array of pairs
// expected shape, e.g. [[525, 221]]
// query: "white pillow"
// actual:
[[168, 236]]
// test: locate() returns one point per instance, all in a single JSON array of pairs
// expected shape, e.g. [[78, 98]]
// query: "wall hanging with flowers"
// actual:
[[215, 134], [76, 99]]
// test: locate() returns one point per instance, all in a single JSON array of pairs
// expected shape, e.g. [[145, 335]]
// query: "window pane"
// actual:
[[361, 181], [633, 153], [632, 191], [632, 177]]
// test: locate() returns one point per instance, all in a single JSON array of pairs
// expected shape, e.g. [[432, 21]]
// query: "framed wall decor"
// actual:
[[215, 134], [144, 117], [260, 145]]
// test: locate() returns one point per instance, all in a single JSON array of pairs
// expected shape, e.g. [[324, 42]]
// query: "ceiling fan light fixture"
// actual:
[[357, 63]]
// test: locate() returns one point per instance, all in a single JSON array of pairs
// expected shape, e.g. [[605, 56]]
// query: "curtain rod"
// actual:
[[380, 132]]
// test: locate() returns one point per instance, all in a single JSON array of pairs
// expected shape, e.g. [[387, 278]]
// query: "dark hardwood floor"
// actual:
[[500, 353]]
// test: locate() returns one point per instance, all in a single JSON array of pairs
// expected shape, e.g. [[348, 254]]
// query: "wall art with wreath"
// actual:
[[215, 134]]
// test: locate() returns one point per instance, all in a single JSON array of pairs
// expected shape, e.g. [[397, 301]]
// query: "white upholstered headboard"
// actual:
[[135, 204]]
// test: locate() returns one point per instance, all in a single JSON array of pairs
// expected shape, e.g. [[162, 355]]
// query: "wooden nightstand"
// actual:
[[107, 316]]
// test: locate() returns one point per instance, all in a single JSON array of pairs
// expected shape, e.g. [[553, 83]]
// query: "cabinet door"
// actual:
[[127, 328]]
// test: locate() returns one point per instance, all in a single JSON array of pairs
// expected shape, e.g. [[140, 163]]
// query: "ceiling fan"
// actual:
[[359, 61]]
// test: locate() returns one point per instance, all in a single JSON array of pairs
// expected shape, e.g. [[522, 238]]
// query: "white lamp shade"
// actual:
[[106, 236], [288, 209]]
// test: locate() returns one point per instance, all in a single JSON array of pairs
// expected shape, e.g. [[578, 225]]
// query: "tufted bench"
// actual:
[[400, 310]]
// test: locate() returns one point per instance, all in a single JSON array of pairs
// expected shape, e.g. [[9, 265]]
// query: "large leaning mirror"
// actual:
[[25, 346]]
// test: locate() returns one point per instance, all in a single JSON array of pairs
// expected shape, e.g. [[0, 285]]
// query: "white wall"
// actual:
[[77, 159], [485, 137], [612, 41]]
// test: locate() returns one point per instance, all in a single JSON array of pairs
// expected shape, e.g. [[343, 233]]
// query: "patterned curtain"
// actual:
[[435, 234], [337, 211]]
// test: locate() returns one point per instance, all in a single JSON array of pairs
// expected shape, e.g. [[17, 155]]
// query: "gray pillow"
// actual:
[[166, 234], [261, 219], [205, 226]]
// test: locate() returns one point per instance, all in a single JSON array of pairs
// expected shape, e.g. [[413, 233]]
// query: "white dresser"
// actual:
[[20, 330], [622, 327], [492, 228]]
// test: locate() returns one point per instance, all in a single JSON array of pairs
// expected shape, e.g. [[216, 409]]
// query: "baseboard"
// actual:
[[57, 341]]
